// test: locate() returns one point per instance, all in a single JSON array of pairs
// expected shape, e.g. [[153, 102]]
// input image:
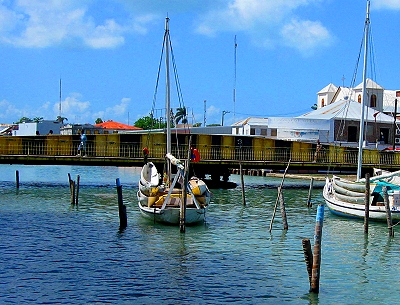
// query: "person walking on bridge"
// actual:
[[82, 145]]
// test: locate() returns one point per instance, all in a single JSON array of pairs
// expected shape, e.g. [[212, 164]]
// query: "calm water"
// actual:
[[52, 253]]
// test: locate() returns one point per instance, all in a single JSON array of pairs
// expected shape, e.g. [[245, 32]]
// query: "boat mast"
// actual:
[[167, 87], [364, 96]]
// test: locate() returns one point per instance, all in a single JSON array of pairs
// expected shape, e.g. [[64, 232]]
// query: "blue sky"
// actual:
[[107, 52]]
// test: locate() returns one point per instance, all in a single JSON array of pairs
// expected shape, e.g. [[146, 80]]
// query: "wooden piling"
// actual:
[[242, 183], [123, 219], [277, 198], [182, 214], [309, 203], [78, 178], [366, 202], [308, 257], [316, 266], [283, 210], [17, 179], [71, 189], [388, 212]]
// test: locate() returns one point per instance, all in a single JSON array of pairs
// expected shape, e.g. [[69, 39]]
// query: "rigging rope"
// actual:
[[178, 90]]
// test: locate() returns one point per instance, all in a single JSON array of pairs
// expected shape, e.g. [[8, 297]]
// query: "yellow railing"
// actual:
[[113, 147]]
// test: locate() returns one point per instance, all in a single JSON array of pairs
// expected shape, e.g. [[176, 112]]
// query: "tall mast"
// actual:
[[364, 96], [234, 83], [167, 86]]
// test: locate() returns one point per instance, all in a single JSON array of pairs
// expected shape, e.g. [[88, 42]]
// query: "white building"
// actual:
[[336, 118], [35, 128]]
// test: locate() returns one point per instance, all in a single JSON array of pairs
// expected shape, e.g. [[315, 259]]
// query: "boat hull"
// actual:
[[171, 215], [355, 210]]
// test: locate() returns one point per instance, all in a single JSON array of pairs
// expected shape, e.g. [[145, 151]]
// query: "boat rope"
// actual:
[[394, 225], [153, 120], [181, 113], [342, 125]]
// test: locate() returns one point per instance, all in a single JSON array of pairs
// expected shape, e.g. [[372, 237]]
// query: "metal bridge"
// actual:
[[216, 159]]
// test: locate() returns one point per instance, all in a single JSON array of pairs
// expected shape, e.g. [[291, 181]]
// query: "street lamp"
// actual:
[[223, 114]]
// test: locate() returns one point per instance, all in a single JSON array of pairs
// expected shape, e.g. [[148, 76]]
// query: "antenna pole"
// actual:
[[59, 107], [205, 112], [234, 83]]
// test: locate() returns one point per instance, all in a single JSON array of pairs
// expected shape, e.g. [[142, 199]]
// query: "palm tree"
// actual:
[[181, 115], [61, 119], [37, 119]]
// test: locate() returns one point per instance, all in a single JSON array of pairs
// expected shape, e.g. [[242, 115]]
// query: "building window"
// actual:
[[373, 100], [359, 98], [273, 132], [322, 102]]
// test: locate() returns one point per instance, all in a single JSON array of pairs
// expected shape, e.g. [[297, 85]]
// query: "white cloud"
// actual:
[[118, 110], [45, 23], [116, 113], [263, 20], [386, 4], [305, 35], [73, 109], [8, 110]]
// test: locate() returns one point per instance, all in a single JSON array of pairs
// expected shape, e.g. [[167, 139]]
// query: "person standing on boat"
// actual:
[[319, 147], [145, 154], [82, 145]]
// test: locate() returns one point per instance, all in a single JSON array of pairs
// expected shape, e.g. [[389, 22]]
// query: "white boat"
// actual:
[[175, 200], [347, 198]]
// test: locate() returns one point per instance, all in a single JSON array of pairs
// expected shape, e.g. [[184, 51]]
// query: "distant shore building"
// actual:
[[37, 128], [336, 118], [107, 127], [115, 127]]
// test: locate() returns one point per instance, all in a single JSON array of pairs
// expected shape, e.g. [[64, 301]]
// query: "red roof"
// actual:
[[115, 125]]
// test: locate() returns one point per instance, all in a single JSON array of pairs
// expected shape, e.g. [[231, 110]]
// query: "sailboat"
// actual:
[[347, 198], [174, 198]]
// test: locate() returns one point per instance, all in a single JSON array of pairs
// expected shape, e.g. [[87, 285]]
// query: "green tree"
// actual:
[[197, 125], [98, 121], [149, 122], [24, 119], [37, 119], [181, 115]]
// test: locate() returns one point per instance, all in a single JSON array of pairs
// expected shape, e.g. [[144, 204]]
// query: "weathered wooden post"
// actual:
[[71, 189], [17, 178], [277, 198], [123, 219], [78, 178], [182, 214], [309, 203], [367, 202], [242, 183], [308, 257], [283, 210], [388, 212], [316, 266]]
